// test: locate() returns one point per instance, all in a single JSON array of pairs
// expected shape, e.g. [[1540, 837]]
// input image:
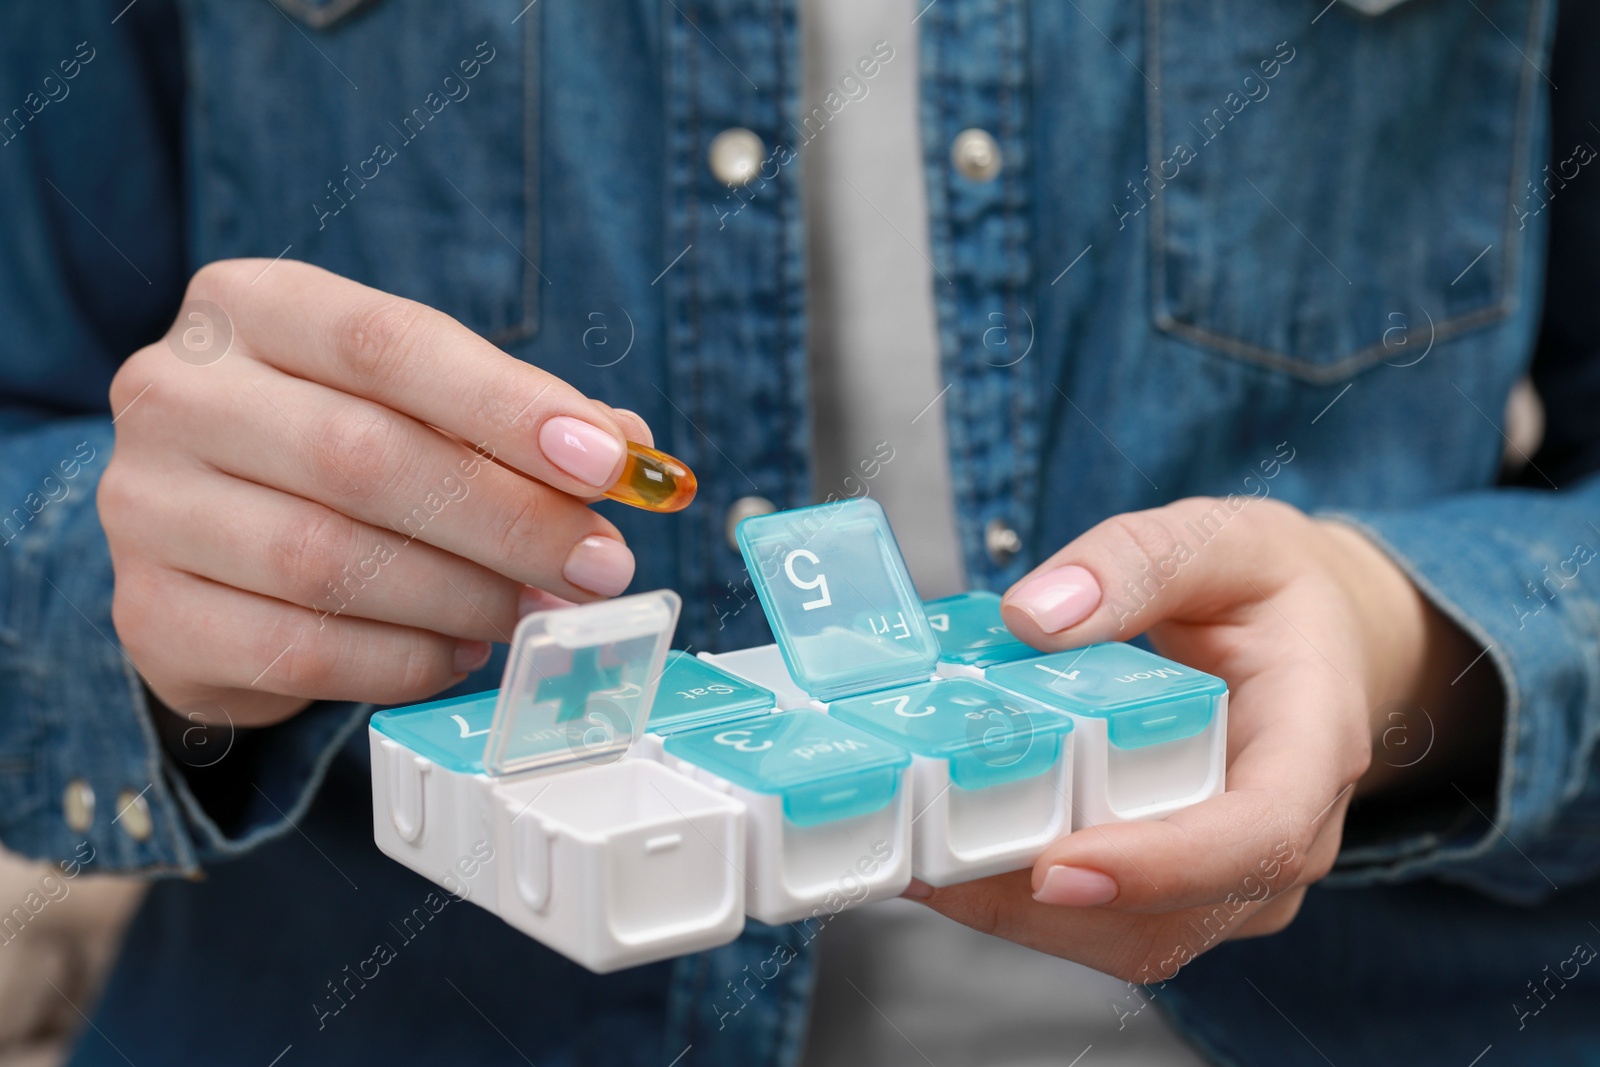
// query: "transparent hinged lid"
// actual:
[[838, 597], [580, 682]]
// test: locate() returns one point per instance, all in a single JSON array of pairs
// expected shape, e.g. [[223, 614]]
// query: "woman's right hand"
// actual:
[[293, 516]]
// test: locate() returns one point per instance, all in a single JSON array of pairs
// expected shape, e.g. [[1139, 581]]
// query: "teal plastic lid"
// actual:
[[1144, 698], [823, 769], [694, 693], [449, 732], [988, 736], [970, 630], [579, 682], [836, 592]]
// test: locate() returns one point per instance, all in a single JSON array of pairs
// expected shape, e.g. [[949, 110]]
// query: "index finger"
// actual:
[[413, 359]]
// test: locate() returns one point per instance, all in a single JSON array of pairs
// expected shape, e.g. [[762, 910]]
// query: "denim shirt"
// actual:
[[1255, 247]]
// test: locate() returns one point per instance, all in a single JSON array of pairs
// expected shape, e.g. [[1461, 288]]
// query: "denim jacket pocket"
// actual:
[[381, 139], [1319, 177]]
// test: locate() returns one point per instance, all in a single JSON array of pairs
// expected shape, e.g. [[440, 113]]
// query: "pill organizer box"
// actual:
[[624, 804]]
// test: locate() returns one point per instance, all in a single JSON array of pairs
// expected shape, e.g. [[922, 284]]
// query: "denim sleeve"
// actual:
[[72, 708], [1517, 569], [91, 268]]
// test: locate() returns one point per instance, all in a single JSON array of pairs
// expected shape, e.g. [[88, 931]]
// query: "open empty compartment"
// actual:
[[620, 864]]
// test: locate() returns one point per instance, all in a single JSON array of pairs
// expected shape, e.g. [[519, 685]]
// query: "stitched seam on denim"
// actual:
[[1537, 20], [216, 839], [1026, 475], [1321, 373], [532, 150], [787, 995], [199, 135], [320, 16], [792, 272], [938, 180], [161, 805], [1010, 205], [693, 300]]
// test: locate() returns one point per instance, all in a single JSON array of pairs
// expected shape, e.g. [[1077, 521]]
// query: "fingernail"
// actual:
[[918, 890], [470, 655], [586, 452], [1076, 887], [531, 600], [1057, 599], [599, 564]]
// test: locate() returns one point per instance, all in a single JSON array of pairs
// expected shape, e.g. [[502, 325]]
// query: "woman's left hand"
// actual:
[[1318, 635]]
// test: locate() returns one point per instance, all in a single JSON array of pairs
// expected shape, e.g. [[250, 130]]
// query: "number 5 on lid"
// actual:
[[843, 609]]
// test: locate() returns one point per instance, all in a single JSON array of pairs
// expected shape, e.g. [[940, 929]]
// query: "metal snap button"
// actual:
[[1001, 541], [77, 804], [975, 155], [736, 155], [133, 815]]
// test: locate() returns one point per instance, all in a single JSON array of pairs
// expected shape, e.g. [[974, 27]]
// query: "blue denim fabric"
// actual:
[[1220, 230]]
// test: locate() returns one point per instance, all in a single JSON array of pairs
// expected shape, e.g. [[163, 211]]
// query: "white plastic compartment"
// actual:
[[1151, 733], [612, 862], [828, 809], [992, 773], [429, 806], [621, 864]]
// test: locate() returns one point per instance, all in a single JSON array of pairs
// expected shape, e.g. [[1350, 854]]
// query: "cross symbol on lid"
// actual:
[[573, 689]]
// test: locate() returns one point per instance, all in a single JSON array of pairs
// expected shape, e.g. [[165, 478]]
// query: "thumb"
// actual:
[[1191, 560]]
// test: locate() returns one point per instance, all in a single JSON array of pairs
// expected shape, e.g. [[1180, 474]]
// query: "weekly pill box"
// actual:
[[827, 808], [613, 862], [623, 804]]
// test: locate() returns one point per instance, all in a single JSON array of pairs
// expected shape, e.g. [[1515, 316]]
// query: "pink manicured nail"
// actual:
[[586, 452], [470, 655], [599, 564], [1076, 887], [918, 890], [1057, 599]]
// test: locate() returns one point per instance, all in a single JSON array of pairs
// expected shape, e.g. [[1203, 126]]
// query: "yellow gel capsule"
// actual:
[[653, 481]]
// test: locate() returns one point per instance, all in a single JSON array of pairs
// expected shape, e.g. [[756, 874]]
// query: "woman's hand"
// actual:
[[1317, 634], [320, 491]]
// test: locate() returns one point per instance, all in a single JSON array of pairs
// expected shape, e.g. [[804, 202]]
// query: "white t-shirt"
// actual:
[[900, 984], [876, 374]]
